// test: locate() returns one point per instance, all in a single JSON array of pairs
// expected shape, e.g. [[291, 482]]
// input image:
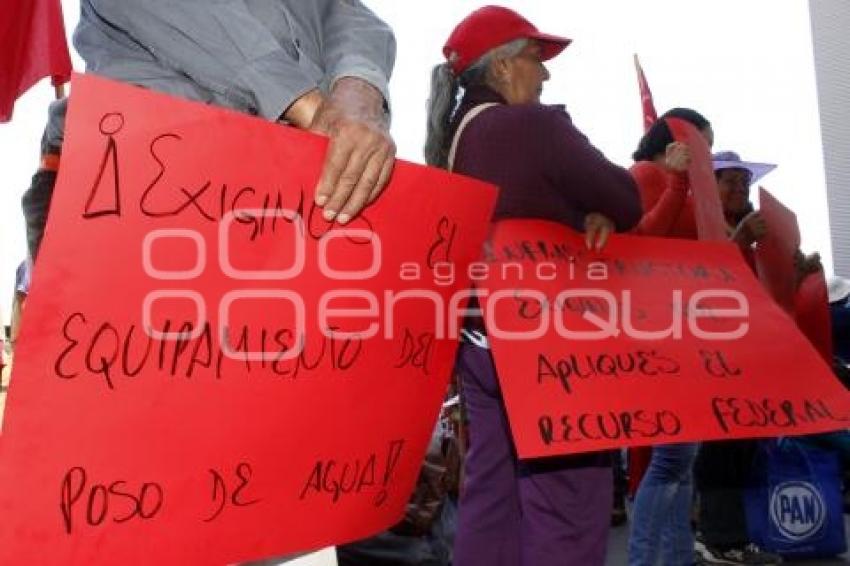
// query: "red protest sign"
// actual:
[[811, 310], [711, 225], [208, 372], [653, 341], [775, 251]]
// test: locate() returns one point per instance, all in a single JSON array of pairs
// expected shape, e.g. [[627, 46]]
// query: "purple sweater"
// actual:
[[543, 165]]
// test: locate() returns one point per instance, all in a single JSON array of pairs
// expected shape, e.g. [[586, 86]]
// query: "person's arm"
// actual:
[[589, 178], [805, 265], [663, 197], [218, 45], [358, 44], [224, 49], [361, 152], [359, 53], [749, 230]]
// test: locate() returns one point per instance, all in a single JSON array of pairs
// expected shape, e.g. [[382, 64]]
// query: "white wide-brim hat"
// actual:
[[731, 160]]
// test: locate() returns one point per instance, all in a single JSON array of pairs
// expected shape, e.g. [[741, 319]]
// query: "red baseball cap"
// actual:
[[492, 26]]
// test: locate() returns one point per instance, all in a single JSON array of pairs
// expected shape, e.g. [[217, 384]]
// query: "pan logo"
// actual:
[[797, 509]]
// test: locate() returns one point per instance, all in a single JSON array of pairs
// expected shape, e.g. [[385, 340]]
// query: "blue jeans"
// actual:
[[661, 518]]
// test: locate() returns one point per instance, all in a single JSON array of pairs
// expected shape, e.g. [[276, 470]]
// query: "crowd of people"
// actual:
[[324, 66]]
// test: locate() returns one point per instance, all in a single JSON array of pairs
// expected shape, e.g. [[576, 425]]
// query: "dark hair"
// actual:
[[656, 140]]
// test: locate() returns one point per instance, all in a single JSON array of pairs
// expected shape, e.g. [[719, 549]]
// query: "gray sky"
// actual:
[[747, 65]]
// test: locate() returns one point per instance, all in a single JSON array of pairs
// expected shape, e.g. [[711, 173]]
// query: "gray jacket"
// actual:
[[254, 56]]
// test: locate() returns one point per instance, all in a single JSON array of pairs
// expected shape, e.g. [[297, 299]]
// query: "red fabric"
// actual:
[[668, 209], [708, 212], [34, 47], [750, 257], [639, 459], [648, 106], [811, 309], [775, 251], [492, 26]]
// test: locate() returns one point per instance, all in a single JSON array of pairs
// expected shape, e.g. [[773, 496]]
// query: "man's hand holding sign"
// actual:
[[361, 153]]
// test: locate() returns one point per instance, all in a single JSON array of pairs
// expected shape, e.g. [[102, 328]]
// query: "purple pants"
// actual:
[[546, 512]]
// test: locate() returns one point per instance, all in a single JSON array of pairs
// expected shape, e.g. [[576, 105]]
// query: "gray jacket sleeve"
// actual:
[[358, 44], [220, 51], [217, 44]]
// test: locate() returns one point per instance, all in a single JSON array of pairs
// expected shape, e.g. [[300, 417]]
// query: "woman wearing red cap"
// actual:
[[552, 511]]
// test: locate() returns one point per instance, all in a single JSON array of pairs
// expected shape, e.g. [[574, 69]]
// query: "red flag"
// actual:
[[811, 309], [34, 47], [711, 225], [775, 251], [649, 113]]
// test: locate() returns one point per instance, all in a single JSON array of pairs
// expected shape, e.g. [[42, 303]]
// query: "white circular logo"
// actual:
[[797, 509]]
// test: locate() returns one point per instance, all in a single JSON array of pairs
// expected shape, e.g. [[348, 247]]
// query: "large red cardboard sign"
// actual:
[[811, 309], [775, 251], [652, 341], [208, 372]]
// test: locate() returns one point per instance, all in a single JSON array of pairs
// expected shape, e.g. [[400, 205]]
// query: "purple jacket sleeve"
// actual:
[[594, 182]]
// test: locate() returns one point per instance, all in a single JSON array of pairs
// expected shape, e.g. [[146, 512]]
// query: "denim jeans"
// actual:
[[661, 516]]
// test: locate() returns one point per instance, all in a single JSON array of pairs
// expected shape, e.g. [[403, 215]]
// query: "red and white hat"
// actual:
[[490, 27]]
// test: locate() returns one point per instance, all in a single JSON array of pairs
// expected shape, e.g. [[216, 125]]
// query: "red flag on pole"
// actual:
[[811, 310], [775, 251], [34, 47], [649, 113]]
